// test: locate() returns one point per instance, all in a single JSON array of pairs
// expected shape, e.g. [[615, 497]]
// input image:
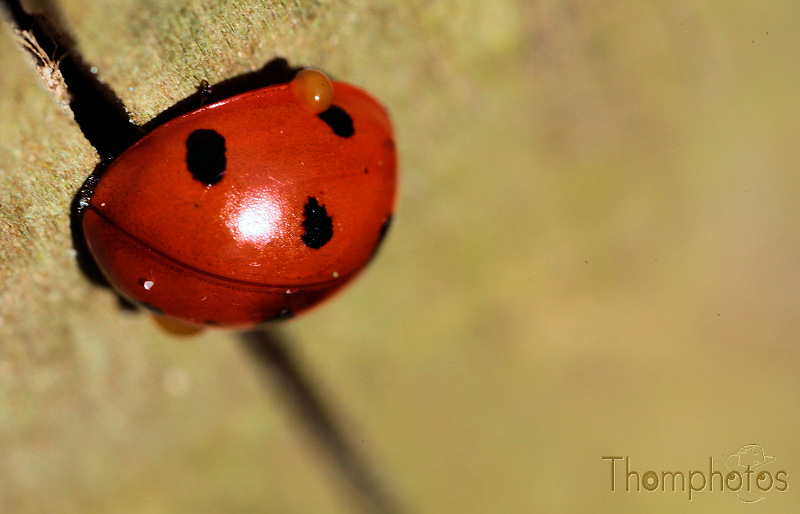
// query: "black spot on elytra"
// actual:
[[338, 120], [205, 155], [318, 225]]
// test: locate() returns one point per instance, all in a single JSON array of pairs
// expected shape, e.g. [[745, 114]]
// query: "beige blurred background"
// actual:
[[596, 254]]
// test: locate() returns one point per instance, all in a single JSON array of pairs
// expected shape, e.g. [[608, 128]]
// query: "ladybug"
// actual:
[[253, 208]]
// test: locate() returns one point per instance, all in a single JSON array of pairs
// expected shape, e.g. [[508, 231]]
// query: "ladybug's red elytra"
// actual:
[[249, 209]]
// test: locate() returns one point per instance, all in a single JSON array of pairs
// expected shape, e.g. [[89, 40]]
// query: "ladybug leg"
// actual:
[[206, 92]]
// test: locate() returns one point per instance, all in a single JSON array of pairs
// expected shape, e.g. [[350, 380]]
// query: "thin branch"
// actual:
[[275, 359]]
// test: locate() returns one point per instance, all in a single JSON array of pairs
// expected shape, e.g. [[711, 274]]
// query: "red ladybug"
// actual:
[[253, 208]]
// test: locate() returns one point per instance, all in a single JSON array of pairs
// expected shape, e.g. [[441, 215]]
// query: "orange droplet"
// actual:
[[312, 90], [175, 327]]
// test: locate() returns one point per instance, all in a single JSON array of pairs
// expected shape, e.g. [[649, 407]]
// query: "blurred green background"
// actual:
[[595, 254]]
